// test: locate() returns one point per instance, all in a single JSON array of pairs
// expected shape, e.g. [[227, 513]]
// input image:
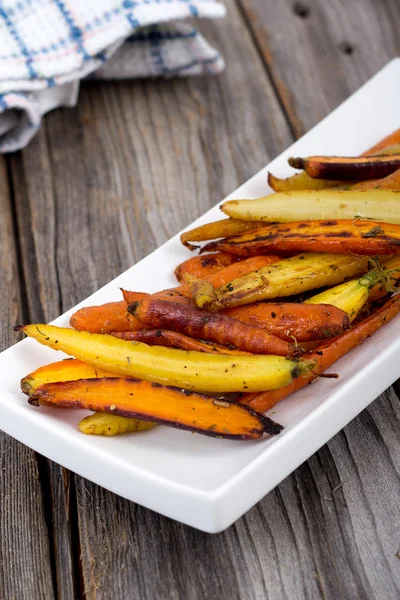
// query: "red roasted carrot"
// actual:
[[212, 327], [326, 354], [204, 265], [289, 320], [173, 339], [342, 236]]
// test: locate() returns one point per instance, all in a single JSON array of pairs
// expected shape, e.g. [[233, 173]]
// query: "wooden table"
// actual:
[[99, 188]]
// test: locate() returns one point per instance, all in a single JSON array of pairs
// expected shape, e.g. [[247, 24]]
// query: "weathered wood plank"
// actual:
[[318, 53], [25, 568], [320, 534], [37, 238]]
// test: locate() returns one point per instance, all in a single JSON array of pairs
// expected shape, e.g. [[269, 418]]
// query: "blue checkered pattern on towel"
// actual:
[[48, 46]]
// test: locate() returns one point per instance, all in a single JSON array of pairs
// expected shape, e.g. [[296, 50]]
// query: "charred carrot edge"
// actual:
[[173, 339], [391, 182], [338, 236], [347, 168], [291, 320], [170, 406], [113, 316], [212, 327], [202, 266], [327, 354]]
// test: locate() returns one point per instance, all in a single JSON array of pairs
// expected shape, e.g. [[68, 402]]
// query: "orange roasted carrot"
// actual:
[[328, 353], [212, 327], [204, 265], [291, 320], [173, 339], [390, 140], [343, 236], [391, 182], [160, 404], [112, 316]]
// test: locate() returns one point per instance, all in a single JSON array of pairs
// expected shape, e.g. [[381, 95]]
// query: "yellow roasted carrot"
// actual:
[[215, 230], [349, 168], [300, 181], [107, 424], [380, 205], [288, 277], [352, 295], [185, 369]]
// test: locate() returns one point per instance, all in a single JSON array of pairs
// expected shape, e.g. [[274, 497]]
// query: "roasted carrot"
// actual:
[[342, 236], [311, 205], [290, 320], [214, 230], [198, 371], [302, 181], [158, 403], [347, 168], [328, 353], [299, 181], [390, 140], [173, 339], [288, 277], [392, 266], [202, 266], [212, 327], [391, 182], [68, 369], [218, 279], [111, 316], [108, 424]]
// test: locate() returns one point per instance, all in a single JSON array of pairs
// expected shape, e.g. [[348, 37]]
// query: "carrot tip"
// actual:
[[271, 427]]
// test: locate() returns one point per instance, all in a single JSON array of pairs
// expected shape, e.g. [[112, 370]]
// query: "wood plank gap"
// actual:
[[291, 123], [21, 273], [76, 541], [44, 478], [41, 461]]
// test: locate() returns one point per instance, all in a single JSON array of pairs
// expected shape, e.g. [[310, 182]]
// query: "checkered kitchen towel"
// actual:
[[48, 46]]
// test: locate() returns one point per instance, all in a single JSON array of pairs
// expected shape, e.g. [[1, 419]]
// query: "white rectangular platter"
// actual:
[[204, 482]]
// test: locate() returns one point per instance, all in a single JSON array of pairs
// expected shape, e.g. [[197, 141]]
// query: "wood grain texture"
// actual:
[[25, 570], [318, 53], [37, 224]]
